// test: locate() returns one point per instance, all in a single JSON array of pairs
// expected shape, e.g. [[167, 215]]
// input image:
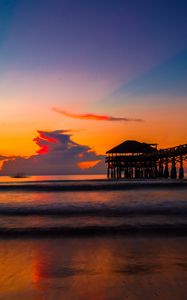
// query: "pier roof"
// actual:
[[133, 147]]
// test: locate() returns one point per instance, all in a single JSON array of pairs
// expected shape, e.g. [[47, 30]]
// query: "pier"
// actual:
[[135, 160]]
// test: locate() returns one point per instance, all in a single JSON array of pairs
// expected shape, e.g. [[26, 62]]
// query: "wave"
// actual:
[[121, 211], [151, 229], [86, 214], [92, 185]]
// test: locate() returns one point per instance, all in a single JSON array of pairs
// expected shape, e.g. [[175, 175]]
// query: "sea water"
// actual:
[[87, 238], [91, 205]]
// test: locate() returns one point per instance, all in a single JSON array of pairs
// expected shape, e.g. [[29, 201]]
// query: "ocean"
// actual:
[[89, 238], [91, 205]]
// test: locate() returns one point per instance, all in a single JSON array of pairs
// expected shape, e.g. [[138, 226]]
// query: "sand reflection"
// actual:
[[94, 268]]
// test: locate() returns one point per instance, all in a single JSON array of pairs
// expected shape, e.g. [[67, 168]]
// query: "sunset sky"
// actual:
[[91, 74]]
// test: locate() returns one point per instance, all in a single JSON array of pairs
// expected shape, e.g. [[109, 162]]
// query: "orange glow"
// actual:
[[20, 123], [88, 164]]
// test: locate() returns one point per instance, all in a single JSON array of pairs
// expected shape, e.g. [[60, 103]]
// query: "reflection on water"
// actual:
[[56, 178], [53, 177], [94, 268]]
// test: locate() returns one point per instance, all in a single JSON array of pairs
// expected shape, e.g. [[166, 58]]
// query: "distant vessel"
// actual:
[[19, 175]]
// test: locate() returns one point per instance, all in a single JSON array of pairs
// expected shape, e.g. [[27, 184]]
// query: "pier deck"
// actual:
[[149, 162]]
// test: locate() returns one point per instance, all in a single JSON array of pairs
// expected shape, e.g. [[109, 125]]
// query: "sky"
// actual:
[[93, 74]]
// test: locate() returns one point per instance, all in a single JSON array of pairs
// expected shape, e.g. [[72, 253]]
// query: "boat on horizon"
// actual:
[[19, 175]]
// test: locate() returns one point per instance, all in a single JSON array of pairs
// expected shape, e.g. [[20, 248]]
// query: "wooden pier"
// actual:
[[135, 160]]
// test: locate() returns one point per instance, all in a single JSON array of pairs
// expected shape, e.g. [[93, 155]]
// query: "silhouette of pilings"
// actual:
[[161, 168], [173, 169], [181, 169], [164, 163], [166, 169]]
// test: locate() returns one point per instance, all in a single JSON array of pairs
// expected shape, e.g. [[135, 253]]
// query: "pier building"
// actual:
[[132, 159]]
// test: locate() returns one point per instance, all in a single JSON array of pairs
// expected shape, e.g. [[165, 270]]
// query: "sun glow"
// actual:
[[88, 164]]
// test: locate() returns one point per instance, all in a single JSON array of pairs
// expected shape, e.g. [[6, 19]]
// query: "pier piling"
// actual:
[[134, 160]]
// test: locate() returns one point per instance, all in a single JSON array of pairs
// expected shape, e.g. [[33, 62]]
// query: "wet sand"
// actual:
[[94, 268]]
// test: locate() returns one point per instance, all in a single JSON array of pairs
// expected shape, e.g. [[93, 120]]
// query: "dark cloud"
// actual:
[[57, 154], [95, 117]]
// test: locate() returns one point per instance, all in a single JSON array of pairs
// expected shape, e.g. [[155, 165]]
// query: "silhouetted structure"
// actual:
[[132, 159]]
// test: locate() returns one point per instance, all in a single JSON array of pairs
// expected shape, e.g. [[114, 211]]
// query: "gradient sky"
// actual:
[[114, 58]]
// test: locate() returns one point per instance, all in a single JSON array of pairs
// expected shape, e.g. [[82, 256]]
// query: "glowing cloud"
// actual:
[[88, 164], [91, 116], [43, 141], [58, 154]]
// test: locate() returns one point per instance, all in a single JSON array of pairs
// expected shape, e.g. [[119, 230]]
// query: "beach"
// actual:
[[65, 238], [94, 268]]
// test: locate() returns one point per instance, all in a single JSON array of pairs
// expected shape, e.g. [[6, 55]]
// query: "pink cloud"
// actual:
[[90, 116], [58, 154]]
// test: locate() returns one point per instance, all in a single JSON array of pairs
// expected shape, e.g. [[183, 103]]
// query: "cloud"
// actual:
[[2, 157], [57, 154], [91, 116]]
